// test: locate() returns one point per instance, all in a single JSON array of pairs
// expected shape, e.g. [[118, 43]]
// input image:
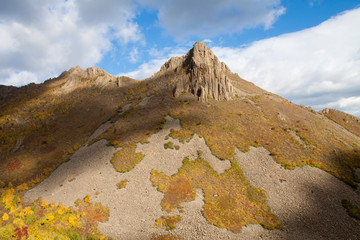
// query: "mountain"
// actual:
[[196, 152]]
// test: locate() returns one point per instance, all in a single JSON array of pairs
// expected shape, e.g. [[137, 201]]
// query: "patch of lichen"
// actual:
[[230, 200], [42, 220], [126, 159], [168, 222]]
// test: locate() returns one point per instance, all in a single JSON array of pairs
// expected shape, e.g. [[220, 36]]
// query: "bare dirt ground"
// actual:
[[306, 200]]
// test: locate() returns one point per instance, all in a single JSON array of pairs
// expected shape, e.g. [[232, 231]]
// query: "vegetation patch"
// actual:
[[42, 220], [122, 184], [230, 200], [166, 237], [126, 159], [224, 131], [182, 136], [352, 210], [169, 145], [169, 222]]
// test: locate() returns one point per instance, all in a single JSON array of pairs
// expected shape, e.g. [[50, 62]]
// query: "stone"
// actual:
[[200, 73]]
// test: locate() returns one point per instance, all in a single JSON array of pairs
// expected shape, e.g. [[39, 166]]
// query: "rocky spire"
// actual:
[[203, 74]]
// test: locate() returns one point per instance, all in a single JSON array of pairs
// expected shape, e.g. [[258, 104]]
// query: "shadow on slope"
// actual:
[[307, 200], [42, 130]]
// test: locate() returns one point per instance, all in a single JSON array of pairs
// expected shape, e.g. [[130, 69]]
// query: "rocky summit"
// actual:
[[192, 152], [201, 74]]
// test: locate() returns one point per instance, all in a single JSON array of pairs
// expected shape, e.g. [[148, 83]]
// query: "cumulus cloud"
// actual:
[[206, 18], [351, 104], [40, 39], [134, 55], [318, 66], [145, 70], [159, 57]]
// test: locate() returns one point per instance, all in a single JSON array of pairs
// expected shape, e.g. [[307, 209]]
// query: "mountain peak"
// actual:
[[200, 73], [203, 57]]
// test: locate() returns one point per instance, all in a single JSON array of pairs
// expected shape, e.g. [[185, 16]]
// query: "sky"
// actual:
[[307, 51]]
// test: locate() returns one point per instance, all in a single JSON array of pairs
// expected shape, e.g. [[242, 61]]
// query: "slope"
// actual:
[[42, 125]]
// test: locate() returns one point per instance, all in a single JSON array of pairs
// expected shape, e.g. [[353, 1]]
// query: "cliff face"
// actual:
[[200, 73]]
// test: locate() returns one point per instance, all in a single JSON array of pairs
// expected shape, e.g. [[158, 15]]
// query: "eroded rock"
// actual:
[[201, 73]]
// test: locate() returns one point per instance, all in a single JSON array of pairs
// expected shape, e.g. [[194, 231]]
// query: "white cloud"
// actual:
[[43, 38], [208, 18], [40, 39], [147, 69], [21, 78], [351, 104], [313, 67], [134, 55]]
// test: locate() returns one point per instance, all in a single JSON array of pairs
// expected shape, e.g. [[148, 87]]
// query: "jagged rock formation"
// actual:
[[201, 73], [93, 76], [76, 77]]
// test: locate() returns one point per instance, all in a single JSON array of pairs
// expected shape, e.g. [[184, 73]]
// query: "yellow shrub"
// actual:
[[87, 198], [5, 217]]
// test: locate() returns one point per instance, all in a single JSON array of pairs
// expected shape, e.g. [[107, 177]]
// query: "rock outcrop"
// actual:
[[201, 73], [77, 77]]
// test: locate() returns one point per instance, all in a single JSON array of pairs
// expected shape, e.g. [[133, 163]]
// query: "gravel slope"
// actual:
[[306, 200]]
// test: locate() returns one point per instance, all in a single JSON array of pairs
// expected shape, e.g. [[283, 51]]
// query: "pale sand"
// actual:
[[308, 202]]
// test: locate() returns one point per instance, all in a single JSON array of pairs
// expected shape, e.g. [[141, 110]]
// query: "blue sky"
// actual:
[[307, 51]]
